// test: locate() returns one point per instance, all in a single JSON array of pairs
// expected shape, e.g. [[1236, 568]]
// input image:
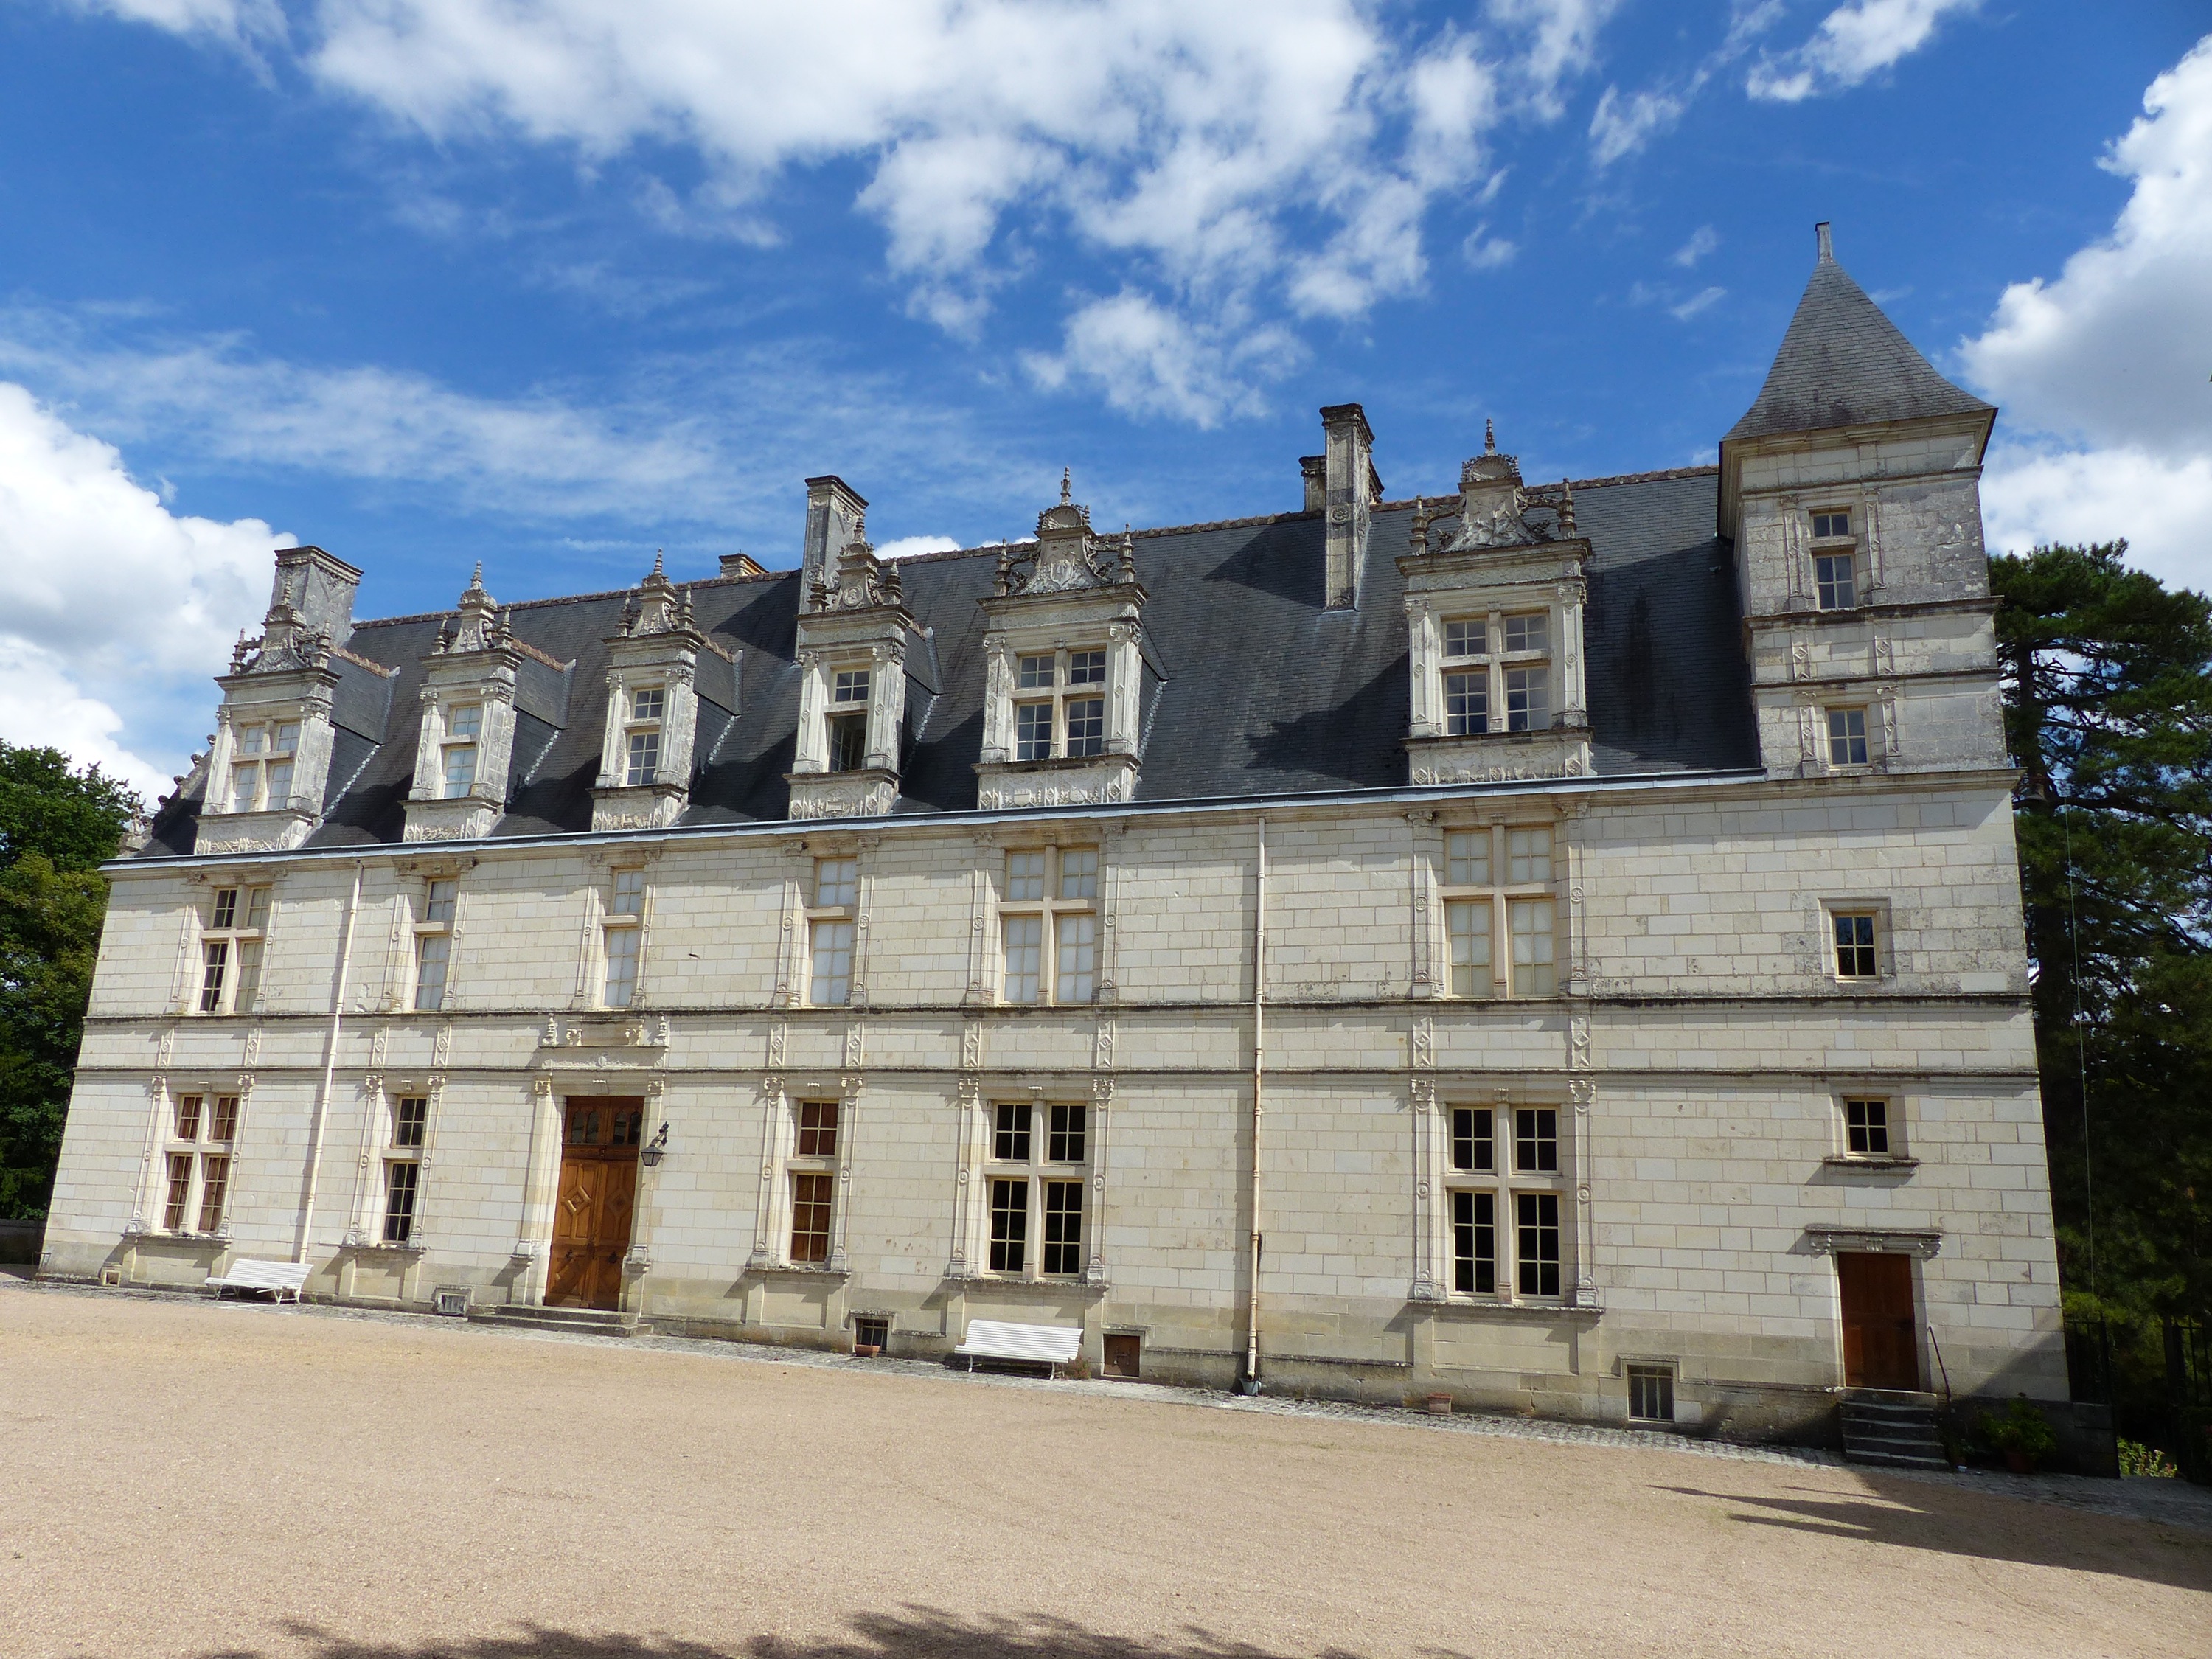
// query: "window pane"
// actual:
[[833, 964], [188, 1117], [1468, 923], [1024, 877], [1033, 730], [465, 723], [646, 703], [1837, 579], [1529, 632], [288, 737], [1866, 1127], [848, 742], [222, 1125], [1076, 979], [1466, 639], [851, 686], [251, 738], [1527, 700], [1063, 1227], [1466, 704], [644, 758], [249, 976], [1536, 1242], [1010, 1225], [811, 1198], [438, 905], [630, 893], [1475, 1243], [410, 1117], [1064, 1143], [1009, 1133], [1831, 524], [226, 907], [622, 966], [837, 883], [214, 966], [257, 909], [1078, 874], [1855, 956], [1650, 1394], [1847, 739], [1086, 726], [460, 770], [280, 784], [1534, 972], [1024, 951], [1472, 1148], [1033, 673], [1536, 1140], [244, 786], [180, 1190], [1528, 856], [1466, 858], [430, 970], [399, 1201], [1086, 668], [817, 1128]]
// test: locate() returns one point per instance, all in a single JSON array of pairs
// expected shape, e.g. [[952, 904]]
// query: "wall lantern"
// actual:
[[655, 1150]]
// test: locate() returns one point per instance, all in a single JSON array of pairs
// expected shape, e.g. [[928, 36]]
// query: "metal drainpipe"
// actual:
[[330, 1067], [1259, 1066]]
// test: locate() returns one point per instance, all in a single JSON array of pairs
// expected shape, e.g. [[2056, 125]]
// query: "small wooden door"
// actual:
[[1881, 1333], [592, 1214]]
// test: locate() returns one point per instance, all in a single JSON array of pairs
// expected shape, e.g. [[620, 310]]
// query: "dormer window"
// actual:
[[1060, 710], [847, 719], [464, 728], [261, 777], [648, 706]]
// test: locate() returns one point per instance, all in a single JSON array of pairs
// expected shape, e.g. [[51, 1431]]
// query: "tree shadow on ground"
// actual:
[[916, 1633], [2048, 1535]]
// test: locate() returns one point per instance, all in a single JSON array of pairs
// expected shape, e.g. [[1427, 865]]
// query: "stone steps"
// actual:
[[588, 1321], [1894, 1430]]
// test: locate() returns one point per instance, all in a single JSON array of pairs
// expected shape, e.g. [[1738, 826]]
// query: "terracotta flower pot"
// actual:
[[1440, 1405], [2020, 1462], [866, 1349]]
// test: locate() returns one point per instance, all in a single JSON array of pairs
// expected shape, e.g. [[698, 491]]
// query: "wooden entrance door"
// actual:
[[598, 1190], [1881, 1335]]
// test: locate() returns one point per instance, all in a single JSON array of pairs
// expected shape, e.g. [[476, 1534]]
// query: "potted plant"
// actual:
[[2020, 1434]]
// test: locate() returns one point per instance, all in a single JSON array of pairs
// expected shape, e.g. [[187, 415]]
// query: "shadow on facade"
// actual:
[[2047, 1536], [916, 1633]]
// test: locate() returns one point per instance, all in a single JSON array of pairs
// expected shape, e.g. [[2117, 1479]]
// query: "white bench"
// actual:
[[280, 1278], [1050, 1345]]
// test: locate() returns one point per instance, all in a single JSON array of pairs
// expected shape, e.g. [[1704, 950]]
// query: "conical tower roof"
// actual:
[[1843, 363]]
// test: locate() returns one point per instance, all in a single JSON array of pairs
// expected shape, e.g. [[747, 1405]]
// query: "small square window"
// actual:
[[1528, 856], [1835, 522], [1536, 1140], [251, 738], [630, 893], [1836, 580], [647, 703], [410, 1117], [1064, 1141], [850, 685], [1086, 668], [465, 723], [1032, 731], [1652, 1394], [837, 883], [439, 904], [1473, 1149], [1009, 1133], [1866, 1128], [287, 738], [1847, 737], [1033, 673], [1528, 632], [1855, 944], [1078, 874], [817, 1128], [1024, 877], [1466, 858], [1466, 639]]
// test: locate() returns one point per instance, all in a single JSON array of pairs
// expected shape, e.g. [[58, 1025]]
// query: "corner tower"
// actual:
[[1851, 491]]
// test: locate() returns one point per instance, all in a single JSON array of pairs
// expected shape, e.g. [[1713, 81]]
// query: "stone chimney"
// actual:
[[834, 512], [1316, 470], [742, 565], [319, 587], [1353, 490]]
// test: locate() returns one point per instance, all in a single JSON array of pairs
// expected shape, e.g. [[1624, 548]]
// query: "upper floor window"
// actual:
[[464, 735], [230, 949], [1498, 673], [1048, 924], [261, 766], [622, 933], [1835, 568], [847, 719], [1833, 523], [1060, 705], [1866, 1128], [831, 925], [1035, 1187], [647, 708], [1856, 944], [1498, 885], [434, 942], [1847, 737]]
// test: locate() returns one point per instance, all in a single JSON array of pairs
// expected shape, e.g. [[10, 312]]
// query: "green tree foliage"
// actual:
[[2108, 710], [56, 826]]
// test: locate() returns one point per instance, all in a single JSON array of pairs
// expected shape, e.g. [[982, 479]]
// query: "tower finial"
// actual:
[[1827, 244], [1489, 436], [1064, 495], [656, 563], [476, 579]]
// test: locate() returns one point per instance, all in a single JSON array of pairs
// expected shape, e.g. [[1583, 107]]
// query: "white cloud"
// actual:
[[1484, 252], [1228, 168], [2102, 372], [237, 22], [113, 611], [1697, 302], [1147, 359], [1852, 43], [1621, 126], [907, 546], [1702, 241]]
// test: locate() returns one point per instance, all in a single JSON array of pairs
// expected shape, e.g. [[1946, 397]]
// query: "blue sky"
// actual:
[[552, 284]]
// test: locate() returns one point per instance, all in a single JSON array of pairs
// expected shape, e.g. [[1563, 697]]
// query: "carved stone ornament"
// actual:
[[1065, 557]]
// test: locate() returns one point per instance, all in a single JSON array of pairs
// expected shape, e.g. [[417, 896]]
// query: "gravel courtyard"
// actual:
[[194, 1479]]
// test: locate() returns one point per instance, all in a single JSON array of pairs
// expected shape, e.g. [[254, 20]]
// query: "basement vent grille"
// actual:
[[452, 1300]]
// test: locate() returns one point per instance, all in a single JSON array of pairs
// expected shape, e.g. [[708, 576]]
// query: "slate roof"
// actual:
[[1257, 691], [1843, 363]]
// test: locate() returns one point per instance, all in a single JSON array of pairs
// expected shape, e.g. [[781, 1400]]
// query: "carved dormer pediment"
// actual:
[[1494, 615], [465, 746], [645, 757]]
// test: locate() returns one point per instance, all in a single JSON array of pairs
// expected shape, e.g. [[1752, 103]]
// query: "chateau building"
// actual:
[[1553, 944]]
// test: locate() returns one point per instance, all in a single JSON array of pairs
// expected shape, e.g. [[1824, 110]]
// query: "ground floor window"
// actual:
[[1475, 1243], [812, 1200], [1010, 1225], [402, 1176], [215, 1185], [1063, 1227], [180, 1191], [1536, 1242]]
